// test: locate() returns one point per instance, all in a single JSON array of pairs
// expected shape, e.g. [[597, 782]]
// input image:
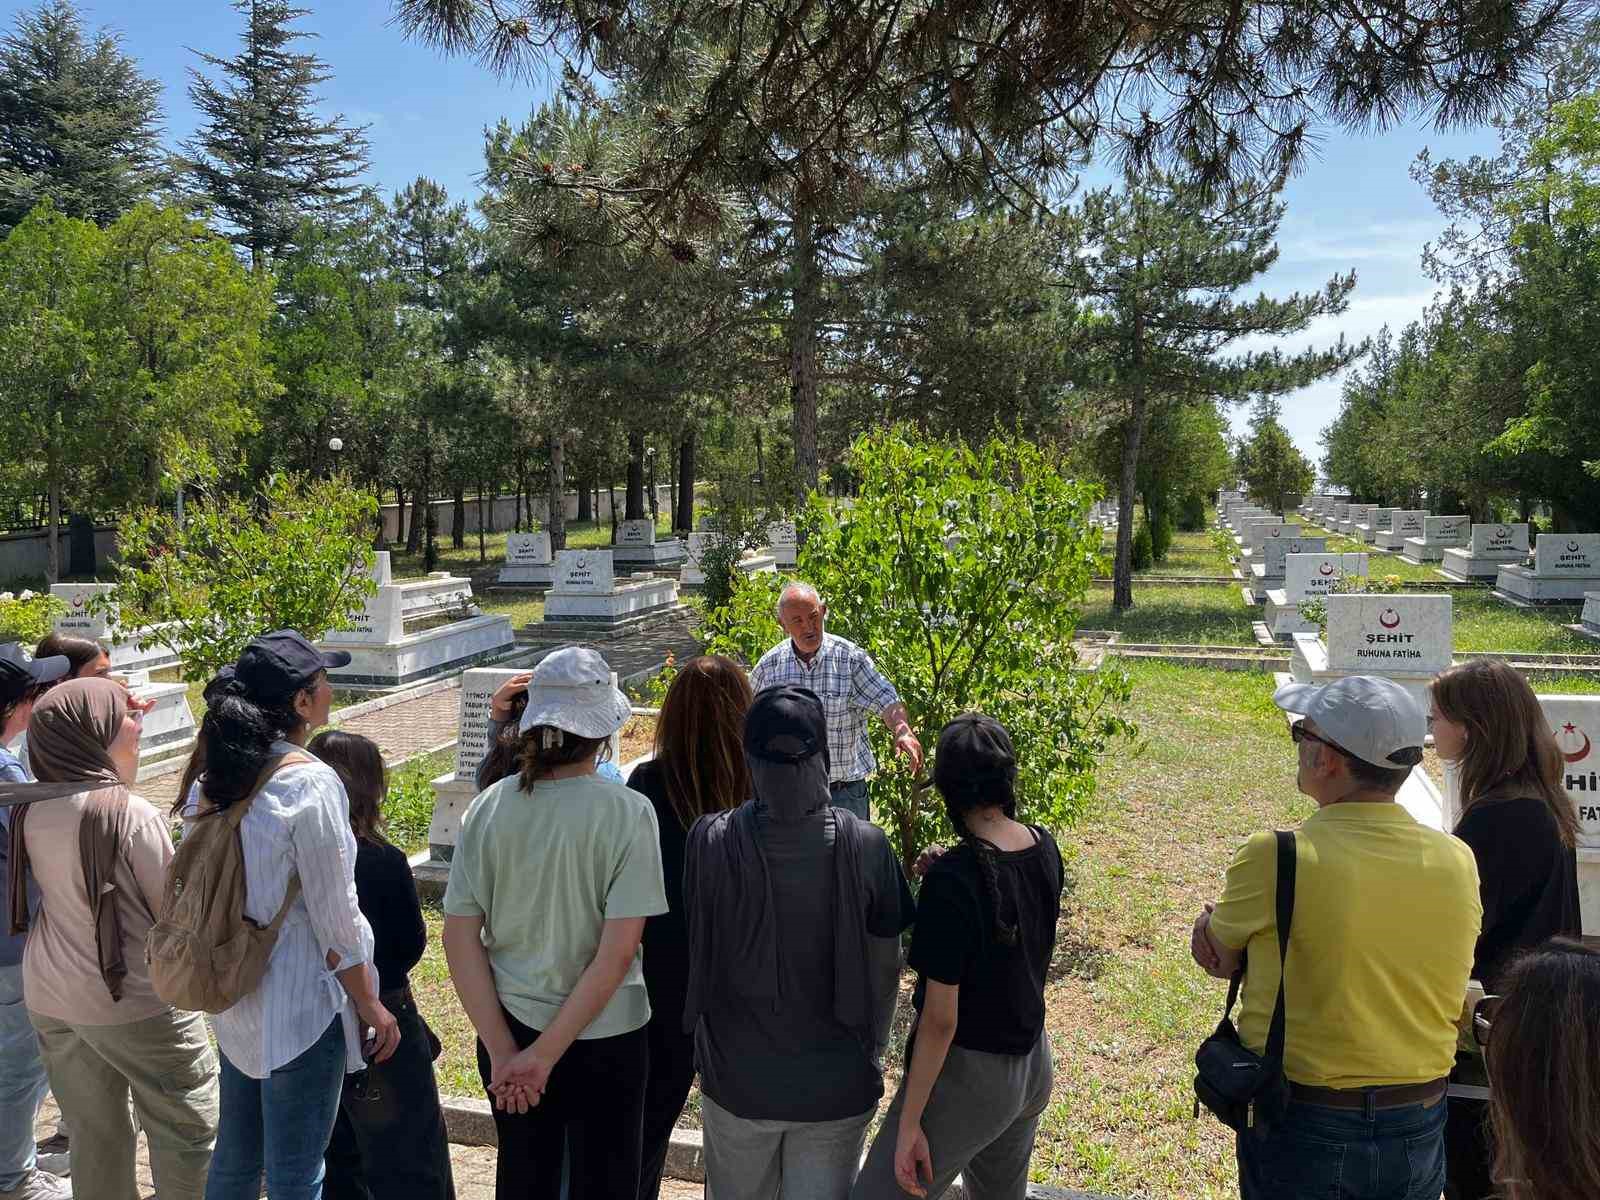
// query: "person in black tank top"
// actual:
[[1515, 816], [979, 1071]]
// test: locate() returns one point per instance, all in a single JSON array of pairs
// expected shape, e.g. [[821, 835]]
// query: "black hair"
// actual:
[[536, 760], [238, 734], [965, 792], [505, 755], [359, 764], [1380, 779]]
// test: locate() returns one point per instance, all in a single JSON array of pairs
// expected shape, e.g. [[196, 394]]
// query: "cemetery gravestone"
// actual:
[[1489, 548], [1406, 638], [86, 618], [636, 545], [1566, 566], [590, 598], [1575, 721], [1589, 621], [1438, 535], [1306, 576], [1361, 522], [529, 562], [784, 540], [1406, 523]]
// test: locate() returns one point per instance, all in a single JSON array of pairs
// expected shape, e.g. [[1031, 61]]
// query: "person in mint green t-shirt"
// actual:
[[554, 873]]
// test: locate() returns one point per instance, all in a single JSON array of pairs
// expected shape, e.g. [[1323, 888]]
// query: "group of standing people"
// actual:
[[728, 913], [1403, 1082]]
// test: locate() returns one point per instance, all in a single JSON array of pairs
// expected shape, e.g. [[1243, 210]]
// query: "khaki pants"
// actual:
[[166, 1063]]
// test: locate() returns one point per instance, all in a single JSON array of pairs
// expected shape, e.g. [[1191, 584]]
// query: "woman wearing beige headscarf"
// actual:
[[99, 855]]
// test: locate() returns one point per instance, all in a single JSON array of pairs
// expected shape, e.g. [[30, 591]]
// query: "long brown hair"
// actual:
[[535, 760], [700, 738], [358, 763], [80, 652], [1544, 1075], [1509, 742]]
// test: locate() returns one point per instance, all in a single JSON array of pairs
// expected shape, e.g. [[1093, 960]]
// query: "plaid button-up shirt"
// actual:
[[852, 689]]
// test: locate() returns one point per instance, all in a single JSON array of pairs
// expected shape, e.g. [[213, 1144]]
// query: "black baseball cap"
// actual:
[[277, 665], [973, 750], [786, 724], [19, 672]]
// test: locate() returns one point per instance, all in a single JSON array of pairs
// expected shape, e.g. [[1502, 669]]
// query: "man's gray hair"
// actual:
[[795, 587]]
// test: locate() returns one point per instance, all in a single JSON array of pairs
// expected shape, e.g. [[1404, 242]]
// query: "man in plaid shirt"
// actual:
[[851, 688]]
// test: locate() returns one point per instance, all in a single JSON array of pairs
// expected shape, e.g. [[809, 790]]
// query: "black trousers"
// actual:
[[671, 1074], [1468, 1151], [592, 1114], [389, 1137]]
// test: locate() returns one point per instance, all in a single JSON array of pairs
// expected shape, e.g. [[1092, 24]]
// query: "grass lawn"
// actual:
[[1189, 554], [1381, 562], [1125, 1005], [1208, 613], [1484, 623]]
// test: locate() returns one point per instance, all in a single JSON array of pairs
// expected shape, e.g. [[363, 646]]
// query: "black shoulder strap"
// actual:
[[1286, 874]]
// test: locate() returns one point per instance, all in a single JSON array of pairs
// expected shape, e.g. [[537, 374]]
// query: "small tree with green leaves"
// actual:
[[961, 570], [295, 556]]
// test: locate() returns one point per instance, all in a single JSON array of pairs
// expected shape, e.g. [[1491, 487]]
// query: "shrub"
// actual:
[[27, 616], [1315, 609], [1192, 513], [1161, 536], [1143, 549], [961, 570]]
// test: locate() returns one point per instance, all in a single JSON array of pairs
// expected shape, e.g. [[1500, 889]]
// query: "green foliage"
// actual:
[[1315, 609], [1270, 464], [408, 808], [82, 126], [1161, 531], [264, 156], [1192, 512], [294, 556], [1144, 555], [961, 570], [27, 616], [1222, 542], [747, 626]]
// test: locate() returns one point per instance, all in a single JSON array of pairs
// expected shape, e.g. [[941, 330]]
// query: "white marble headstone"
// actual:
[[1361, 514], [1569, 555], [478, 686], [1499, 541], [1446, 531], [1383, 519], [1276, 550], [528, 549], [783, 535], [1308, 575], [590, 571], [78, 620], [636, 533], [381, 620], [1575, 720], [1408, 522], [1387, 635]]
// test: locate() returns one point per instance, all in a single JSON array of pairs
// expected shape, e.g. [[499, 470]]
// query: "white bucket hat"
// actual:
[[571, 690], [1368, 716]]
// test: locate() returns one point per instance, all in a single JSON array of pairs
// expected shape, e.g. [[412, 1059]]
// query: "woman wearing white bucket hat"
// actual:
[[554, 873]]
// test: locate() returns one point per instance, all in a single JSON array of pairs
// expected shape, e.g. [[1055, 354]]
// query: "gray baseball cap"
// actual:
[[1372, 718]]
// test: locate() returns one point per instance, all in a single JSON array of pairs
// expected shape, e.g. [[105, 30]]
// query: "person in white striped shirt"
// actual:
[[287, 1046]]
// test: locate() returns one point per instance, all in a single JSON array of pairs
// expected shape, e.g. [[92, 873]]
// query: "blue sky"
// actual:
[[1353, 207]]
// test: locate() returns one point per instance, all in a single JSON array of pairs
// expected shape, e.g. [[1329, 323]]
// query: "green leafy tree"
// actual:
[[1161, 264], [264, 156], [294, 556], [961, 570], [1270, 464], [79, 125]]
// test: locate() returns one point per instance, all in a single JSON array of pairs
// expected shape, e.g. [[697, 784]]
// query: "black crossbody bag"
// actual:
[[1238, 1085]]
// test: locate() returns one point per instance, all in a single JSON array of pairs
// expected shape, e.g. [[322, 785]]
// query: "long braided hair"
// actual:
[[975, 767]]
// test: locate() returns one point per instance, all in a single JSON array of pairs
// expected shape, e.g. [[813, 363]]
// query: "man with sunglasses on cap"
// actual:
[[1385, 920], [22, 1076]]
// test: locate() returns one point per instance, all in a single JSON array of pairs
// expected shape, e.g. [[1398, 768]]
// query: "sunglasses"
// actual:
[[1299, 733], [1483, 1019]]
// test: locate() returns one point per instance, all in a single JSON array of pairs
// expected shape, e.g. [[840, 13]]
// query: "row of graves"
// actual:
[[1558, 568], [530, 563], [1408, 638]]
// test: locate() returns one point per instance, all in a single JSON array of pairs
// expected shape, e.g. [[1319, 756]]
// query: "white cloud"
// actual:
[[1379, 241]]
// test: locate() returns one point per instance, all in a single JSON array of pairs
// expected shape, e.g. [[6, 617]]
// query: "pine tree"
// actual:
[[263, 157], [1270, 464], [79, 124]]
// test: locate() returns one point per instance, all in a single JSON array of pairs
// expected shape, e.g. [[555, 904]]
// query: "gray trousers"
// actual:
[[852, 796], [780, 1160], [980, 1123]]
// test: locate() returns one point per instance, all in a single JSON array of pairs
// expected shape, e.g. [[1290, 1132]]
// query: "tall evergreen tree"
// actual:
[[79, 124], [263, 156], [1162, 263], [1270, 464]]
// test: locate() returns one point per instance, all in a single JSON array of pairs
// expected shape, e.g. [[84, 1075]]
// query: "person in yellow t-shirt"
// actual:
[[1386, 916]]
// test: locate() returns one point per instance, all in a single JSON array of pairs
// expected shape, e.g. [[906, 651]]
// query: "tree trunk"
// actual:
[[635, 485], [585, 494], [483, 521], [611, 501], [1133, 434], [430, 519], [556, 518], [803, 357], [516, 511], [414, 530], [458, 519], [684, 518], [52, 571]]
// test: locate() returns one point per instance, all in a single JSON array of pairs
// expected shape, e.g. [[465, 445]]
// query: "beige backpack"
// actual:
[[205, 955]]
